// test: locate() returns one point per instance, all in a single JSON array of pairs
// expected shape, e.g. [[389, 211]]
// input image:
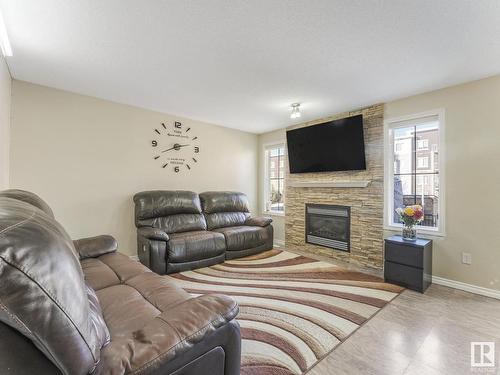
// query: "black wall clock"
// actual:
[[175, 147]]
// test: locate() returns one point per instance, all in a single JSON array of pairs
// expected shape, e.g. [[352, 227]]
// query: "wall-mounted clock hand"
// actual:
[[168, 149], [176, 147]]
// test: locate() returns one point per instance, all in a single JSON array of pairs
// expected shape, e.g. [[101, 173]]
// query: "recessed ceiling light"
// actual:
[[4, 38], [295, 110]]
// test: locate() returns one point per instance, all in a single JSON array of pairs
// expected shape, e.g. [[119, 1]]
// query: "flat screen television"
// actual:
[[332, 146]]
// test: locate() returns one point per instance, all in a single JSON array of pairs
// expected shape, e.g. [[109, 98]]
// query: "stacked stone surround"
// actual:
[[367, 204]]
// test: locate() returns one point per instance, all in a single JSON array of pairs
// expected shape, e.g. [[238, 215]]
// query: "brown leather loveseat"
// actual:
[[80, 307], [181, 230]]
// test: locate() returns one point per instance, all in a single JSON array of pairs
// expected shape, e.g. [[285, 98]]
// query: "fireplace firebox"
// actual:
[[329, 226]]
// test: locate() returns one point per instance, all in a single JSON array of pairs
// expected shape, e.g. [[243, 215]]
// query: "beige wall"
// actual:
[[278, 221], [87, 157], [5, 88], [472, 140]]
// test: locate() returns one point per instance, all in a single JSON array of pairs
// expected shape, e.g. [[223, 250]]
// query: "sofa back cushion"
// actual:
[[224, 208], [28, 197], [173, 211], [102, 331], [43, 293]]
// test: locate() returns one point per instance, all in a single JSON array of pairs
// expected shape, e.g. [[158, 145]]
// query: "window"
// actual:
[[274, 180], [423, 162], [414, 172], [422, 144]]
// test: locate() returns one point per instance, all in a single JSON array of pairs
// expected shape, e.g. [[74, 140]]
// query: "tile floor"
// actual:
[[424, 334]]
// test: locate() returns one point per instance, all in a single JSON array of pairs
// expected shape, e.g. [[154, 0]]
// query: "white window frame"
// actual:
[[389, 126], [265, 148]]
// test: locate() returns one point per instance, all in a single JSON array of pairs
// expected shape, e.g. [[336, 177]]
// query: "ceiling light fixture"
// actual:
[[295, 110], [4, 38]]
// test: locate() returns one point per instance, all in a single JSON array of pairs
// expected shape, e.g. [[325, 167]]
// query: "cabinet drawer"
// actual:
[[409, 277], [409, 255]]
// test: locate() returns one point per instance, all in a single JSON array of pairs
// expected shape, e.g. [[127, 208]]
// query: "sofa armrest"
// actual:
[[92, 247], [153, 234], [152, 248], [259, 221], [168, 341]]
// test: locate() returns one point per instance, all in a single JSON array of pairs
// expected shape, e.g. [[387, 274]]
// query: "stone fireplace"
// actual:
[[329, 226], [361, 191]]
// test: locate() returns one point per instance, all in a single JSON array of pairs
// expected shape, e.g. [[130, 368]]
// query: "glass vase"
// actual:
[[409, 233]]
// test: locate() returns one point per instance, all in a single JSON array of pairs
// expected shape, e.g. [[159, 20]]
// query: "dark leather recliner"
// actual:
[[181, 230], [80, 307], [228, 213]]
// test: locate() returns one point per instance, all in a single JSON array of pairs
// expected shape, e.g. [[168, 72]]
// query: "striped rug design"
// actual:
[[293, 310]]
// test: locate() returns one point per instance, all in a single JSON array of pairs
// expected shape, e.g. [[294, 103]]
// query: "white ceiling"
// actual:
[[241, 63]]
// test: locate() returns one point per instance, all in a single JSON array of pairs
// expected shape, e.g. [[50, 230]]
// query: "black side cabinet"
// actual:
[[408, 263]]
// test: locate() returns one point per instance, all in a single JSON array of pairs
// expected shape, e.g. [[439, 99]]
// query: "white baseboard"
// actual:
[[134, 257], [493, 293], [279, 243]]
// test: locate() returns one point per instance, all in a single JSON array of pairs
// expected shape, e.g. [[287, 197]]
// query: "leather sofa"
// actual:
[[182, 230], [80, 307]]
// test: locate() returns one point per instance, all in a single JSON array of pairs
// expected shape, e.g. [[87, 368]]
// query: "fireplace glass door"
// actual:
[[328, 225]]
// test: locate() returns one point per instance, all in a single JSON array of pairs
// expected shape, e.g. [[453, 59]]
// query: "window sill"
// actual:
[[424, 232], [274, 213]]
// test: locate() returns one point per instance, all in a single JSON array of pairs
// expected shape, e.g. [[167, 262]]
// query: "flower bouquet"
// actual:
[[410, 216]]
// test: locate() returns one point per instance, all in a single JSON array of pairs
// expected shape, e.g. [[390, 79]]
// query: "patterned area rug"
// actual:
[[293, 310]]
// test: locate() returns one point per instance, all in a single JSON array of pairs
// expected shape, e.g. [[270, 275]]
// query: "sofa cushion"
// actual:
[[157, 203], [43, 293], [226, 219], [193, 246], [179, 223], [96, 317], [224, 201], [110, 269], [224, 208], [163, 336], [244, 237], [170, 210], [28, 197]]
